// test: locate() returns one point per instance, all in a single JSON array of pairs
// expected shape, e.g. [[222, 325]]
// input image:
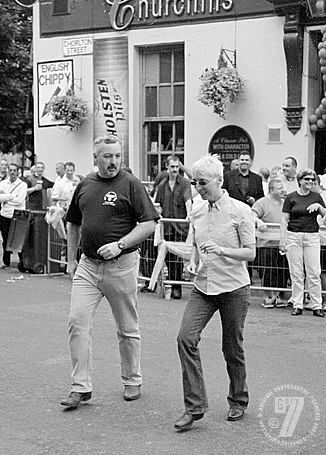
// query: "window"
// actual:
[[274, 134], [163, 98], [61, 7]]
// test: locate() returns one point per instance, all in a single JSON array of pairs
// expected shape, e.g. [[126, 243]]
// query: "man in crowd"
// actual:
[[234, 164], [274, 266], [174, 196], [112, 213], [223, 239], [60, 171], [243, 184], [64, 189], [289, 175], [264, 173], [3, 168], [37, 188], [12, 196]]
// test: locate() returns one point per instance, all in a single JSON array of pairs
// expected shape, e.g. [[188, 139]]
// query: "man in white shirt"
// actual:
[[64, 190], [12, 197], [289, 175], [60, 170]]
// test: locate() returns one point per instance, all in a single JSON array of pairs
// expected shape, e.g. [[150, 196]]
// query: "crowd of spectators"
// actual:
[[273, 195], [265, 192], [33, 192]]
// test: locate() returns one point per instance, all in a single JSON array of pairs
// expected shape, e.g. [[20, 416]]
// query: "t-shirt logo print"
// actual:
[[110, 198]]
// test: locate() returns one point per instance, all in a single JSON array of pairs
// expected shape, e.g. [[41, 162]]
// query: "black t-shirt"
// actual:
[[300, 219], [38, 199], [108, 209]]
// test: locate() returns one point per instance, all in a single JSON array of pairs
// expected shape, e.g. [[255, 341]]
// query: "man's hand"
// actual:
[[282, 247], [191, 268], [71, 268], [211, 247], [261, 226], [109, 250]]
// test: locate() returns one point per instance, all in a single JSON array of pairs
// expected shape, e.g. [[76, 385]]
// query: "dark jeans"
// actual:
[[4, 229], [233, 307]]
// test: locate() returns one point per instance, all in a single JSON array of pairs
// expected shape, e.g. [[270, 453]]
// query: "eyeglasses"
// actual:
[[309, 179], [200, 182]]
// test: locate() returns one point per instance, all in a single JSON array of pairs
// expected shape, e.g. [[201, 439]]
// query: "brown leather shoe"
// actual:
[[75, 398], [235, 413], [186, 421], [297, 312], [319, 313], [132, 392]]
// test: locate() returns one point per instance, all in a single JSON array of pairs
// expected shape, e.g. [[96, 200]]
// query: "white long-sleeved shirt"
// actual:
[[18, 189], [64, 190]]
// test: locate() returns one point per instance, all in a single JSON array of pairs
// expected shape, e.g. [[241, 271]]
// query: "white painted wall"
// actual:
[[54, 144], [260, 60]]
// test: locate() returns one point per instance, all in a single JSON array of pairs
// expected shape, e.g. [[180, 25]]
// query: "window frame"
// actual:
[[67, 12], [160, 120]]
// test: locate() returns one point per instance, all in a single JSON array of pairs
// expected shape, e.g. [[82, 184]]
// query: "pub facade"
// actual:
[[136, 64]]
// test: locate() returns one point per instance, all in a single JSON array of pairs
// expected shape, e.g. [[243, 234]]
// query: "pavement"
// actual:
[[282, 352]]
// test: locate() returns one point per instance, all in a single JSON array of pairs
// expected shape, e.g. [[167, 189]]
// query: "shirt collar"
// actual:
[[217, 205], [243, 176]]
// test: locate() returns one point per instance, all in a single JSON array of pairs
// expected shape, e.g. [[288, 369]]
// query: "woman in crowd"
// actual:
[[300, 240]]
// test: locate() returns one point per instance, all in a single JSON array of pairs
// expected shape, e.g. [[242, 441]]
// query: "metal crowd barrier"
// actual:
[[269, 270], [57, 253], [165, 255], [168, 251]]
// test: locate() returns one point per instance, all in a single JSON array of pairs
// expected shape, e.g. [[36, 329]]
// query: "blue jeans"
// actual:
[[117, 281], [233, 307]]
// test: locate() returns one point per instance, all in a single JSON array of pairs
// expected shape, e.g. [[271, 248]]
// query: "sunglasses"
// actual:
[[309, 179], [199, 182]]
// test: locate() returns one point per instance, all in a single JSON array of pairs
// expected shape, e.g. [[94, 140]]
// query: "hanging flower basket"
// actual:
[[69, 110], [220, 86]]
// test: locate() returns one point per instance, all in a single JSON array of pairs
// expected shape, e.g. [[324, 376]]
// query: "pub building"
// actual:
[[137, 64]]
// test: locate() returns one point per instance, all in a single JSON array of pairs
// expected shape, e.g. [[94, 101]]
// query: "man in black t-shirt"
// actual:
[[37, 188], [111, 213]]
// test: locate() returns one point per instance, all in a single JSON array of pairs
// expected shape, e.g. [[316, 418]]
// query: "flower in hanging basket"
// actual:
[[219, 86], [70, 110]]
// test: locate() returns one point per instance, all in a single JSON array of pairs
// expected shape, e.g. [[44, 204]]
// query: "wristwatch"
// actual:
[[221, 251], [122, 245]]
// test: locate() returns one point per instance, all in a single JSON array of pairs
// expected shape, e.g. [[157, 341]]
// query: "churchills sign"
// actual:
[[124, 13]]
